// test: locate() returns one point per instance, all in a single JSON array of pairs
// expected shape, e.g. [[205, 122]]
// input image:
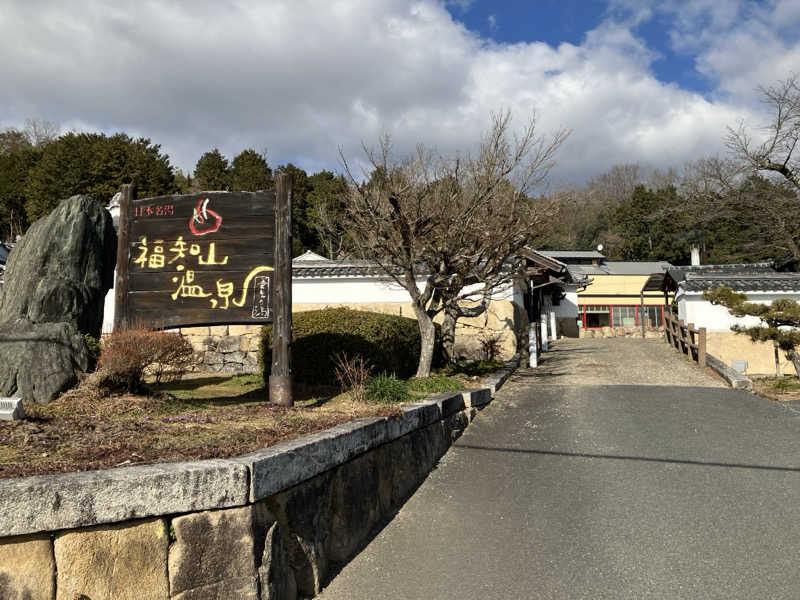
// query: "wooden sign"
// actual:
[[199, 259]]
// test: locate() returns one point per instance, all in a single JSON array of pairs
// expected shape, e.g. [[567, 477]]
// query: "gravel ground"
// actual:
[[616, 361]]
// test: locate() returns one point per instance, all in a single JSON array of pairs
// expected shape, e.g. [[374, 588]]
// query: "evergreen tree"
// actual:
[[250, 172], [648, 230], [326, 213], [13, 140], [212, 171], [14, 169], [97, 165], [303, 234]]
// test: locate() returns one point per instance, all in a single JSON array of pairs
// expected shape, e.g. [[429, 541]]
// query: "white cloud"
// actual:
[[303, 78]]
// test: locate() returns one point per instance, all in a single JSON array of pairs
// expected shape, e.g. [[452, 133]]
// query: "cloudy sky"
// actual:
[[648, 81]]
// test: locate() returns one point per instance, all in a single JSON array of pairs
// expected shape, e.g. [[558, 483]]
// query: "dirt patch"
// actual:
[[779, 389]]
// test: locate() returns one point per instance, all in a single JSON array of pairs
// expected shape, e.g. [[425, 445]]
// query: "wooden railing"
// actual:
[[685, 338]]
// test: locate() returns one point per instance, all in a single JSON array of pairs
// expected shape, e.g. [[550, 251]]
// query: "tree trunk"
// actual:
[[449, 336], [427, 338], [795, 358]]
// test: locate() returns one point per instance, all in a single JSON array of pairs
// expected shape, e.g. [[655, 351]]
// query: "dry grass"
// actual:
[[781, 389], [200, 417]]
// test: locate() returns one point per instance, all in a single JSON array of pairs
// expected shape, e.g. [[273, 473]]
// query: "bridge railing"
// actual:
[[686, 338]]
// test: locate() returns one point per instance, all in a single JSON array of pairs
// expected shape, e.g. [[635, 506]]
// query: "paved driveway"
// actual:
[[564, 489]]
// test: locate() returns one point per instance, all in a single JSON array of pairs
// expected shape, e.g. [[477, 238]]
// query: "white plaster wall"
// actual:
[[108, 310], [692, 308], [311, 291], [568, 308]]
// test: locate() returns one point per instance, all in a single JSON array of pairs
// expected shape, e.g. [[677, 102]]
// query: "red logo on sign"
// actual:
[[204, 220]]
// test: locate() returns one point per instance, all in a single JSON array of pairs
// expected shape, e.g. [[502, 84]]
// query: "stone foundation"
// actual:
[[225, 348], [622, 332]]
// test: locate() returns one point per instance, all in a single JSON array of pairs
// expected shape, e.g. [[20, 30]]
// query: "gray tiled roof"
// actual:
[[680, 273], [559, 254], [742, 281], [335, 268], [620, 267], [310, 265]]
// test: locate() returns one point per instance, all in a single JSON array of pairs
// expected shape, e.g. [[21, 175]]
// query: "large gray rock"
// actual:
[[39, 361], [56, 280]]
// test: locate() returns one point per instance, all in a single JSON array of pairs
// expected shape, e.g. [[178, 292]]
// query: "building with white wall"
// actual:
[[760, 282]]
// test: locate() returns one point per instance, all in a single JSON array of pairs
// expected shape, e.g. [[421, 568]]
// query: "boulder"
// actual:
[[56, 280], [39, 361]]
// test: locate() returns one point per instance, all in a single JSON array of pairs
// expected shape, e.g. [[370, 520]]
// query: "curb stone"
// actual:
[[736, 380]]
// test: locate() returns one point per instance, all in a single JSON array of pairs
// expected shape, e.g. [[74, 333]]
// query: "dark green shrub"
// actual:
[[387, 389], [388, 343], [93, 348], [435, 384], [475, 367]]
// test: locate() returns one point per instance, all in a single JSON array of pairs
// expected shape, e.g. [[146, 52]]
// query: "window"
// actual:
[[624, 316], [597, 316], [652, 315], [620, 315]]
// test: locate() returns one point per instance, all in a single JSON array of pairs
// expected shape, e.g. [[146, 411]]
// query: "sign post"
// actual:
[[280, 380], [123, 255]]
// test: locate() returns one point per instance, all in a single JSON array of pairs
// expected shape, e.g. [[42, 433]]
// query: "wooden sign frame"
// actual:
[[214, 258]]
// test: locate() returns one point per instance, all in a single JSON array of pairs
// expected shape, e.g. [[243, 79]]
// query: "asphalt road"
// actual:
[[595, 492]]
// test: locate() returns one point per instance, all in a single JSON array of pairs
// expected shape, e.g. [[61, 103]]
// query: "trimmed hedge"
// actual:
[[389, 342]]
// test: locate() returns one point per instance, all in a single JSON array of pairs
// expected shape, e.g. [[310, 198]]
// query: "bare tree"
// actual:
[[40, 132], [436, 225], [777, 152], [718, 189]]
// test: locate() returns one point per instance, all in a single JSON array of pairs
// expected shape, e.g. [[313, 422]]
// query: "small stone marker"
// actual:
[[11, 409]]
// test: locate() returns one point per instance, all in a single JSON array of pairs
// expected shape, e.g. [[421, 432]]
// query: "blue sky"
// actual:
[[653, 82], [567, 21]]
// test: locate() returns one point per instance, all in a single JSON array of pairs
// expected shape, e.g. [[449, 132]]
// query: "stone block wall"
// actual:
[[612, 332], [225, 348], [271, 525]]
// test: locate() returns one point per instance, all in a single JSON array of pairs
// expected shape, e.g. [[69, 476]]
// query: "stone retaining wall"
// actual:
[[273, 524], [225, 348], [610, 332]]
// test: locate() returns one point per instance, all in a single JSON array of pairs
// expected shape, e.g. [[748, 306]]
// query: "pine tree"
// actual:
[[212, 171], [97, 165], [250, 172]]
